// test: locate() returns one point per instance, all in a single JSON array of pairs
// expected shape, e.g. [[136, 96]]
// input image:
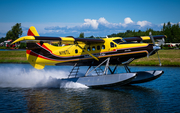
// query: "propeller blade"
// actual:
[[161, 42], [152, 38], [156, 47], [150, 53], [159, 59]]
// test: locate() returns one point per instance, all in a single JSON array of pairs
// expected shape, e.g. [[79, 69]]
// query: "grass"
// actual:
[[168, 58], [13, 57]]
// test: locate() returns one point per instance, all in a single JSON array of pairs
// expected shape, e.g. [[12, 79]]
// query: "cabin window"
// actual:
[[112, 44], [103, 46], [93, 48], [98, 47], [118, 41], [76, 51], [84, 48], [88, 49]]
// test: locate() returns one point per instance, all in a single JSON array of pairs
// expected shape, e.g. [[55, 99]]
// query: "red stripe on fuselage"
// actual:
[[37, 55], [31, 53], [44, 47]]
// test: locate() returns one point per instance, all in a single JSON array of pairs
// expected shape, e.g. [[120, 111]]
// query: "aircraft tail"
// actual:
[[33, 48], [31, 58]]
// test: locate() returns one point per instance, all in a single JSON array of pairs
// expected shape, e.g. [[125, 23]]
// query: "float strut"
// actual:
[[112, 72], [88, 70], [127, 69], [107, 66], [105, 70]]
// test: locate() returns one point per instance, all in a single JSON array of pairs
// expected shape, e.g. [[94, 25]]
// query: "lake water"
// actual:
[[25, 89]]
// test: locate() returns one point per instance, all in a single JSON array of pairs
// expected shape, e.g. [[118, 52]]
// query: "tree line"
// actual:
[[172, 31]]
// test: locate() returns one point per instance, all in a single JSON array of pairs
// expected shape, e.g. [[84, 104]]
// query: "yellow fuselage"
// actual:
[[52, 55]]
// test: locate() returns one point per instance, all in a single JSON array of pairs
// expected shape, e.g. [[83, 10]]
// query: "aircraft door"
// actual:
[[113, 46], [77, 51]]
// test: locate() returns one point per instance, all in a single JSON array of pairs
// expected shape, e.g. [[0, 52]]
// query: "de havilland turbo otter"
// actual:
[[41, 51]]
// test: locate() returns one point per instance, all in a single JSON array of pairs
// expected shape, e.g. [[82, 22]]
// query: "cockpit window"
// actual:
[[103, 46], [112, 44], [118, 41]]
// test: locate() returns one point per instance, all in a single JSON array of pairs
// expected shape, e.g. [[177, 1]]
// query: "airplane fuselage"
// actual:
[[118, 50]]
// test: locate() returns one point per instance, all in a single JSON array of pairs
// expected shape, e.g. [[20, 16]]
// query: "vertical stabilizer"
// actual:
[[32, 31]]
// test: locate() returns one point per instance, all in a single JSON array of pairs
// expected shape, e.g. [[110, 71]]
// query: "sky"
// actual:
[[92, 17]]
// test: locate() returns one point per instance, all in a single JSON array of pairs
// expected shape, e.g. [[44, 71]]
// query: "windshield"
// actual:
[[118, 41]]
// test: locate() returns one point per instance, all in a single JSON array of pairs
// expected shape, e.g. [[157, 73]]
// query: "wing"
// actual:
[[33, 36], [63, 40], [141, 38]]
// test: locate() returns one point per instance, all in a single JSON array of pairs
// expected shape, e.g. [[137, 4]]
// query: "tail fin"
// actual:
[[32, 31]]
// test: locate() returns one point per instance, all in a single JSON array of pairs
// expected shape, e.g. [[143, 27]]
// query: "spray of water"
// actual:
[[27, 78]]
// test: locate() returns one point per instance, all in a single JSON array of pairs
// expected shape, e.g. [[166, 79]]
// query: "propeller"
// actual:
[[161, 42], [150, 34], [155, 48]]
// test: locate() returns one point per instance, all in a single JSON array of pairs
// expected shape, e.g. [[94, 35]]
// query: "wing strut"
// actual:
[[88, 52]]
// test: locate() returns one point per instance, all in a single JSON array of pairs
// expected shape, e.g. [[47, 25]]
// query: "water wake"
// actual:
[[30, 78]]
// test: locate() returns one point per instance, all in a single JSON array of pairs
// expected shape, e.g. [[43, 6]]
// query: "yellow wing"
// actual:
[[141, 38]]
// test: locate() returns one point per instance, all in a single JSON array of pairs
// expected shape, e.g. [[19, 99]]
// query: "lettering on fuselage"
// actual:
[[64, 52], [102, 54], [127, 50], [96, 55]]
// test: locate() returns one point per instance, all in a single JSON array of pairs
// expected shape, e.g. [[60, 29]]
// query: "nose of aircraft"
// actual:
[[156, 48]]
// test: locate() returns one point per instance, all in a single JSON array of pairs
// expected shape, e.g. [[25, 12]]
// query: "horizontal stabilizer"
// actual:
[[24, 38]]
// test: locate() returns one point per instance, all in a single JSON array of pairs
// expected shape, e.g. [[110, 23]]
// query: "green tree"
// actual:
[[2, 39], [172, 32], [112, 35], [175, 33], [91, 36], [9, 35], [167, 31], [15, 32], [81, 35]]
